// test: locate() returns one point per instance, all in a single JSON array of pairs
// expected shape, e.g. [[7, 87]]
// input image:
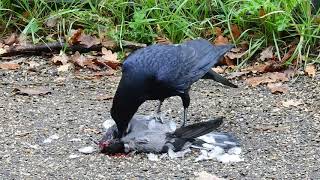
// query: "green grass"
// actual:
[[276, 22]]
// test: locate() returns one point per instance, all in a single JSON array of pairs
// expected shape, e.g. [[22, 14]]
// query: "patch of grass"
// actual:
[[263, 22]]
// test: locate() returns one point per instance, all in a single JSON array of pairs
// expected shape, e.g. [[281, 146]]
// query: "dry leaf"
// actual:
[[74, 38], [81, 60], [11, 39], [108, 43], [221, 40], [62, 58], [266, 53], [3, 51], [9, 66], [88, 41], [233, 55], [267, 78], [235, 31], [262, 12], [291, 103], [288, 54], [218, 69], [218, 31], [110, 58], [310, 70], [163, 40], [32, 91], [65, 67], [278, 88]]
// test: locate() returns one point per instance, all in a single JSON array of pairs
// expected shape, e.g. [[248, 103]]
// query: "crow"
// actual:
[[159, 71], [147, 135]]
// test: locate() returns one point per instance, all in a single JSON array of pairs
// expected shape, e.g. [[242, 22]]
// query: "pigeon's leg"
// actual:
[[186, 102], [158, 115]]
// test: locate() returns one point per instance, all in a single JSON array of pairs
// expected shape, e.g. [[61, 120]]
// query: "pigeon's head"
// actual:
[[114, 146]]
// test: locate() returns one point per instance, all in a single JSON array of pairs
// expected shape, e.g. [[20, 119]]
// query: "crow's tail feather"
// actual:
[[198, 129], [217, 77]]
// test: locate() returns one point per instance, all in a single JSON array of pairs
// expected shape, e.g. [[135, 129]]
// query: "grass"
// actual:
[[263, 22]]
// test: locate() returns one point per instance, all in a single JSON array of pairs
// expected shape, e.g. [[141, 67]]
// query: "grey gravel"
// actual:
[[278, 142]]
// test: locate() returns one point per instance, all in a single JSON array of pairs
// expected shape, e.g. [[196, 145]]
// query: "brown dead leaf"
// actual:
[[108, 43], [88, 40], [229, 62], [266, 53], [218, 31], [32, 91], [233, 55], [11, 39], [291, 102], [219, 69], [62, 58], [221, 40], [9, 66], [235, 31], [75, 35], [289, 53], [163, 40], [81, 60], [278, 88], [267, 78], [110, 59], [104, 97], [310, 70]]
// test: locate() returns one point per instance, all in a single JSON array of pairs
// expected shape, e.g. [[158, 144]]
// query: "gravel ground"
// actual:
[[278, 142]]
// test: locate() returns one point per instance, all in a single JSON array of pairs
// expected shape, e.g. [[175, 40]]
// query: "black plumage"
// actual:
[[161, 71]]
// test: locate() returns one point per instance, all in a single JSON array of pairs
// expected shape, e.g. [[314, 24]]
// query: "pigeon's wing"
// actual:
[[197, 129]]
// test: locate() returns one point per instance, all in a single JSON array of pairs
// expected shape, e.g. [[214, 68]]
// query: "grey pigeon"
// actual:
[[147, 134]]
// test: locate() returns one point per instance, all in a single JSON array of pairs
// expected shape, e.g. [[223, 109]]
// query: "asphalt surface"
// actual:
[[278, 142]]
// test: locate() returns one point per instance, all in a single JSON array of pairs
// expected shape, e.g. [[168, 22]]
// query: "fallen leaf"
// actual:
[[278, 88], [235, 55], [9, 66], [310, 70], [65, 67], [163, 40], [229, 62], [218, 69], [267, 78], [32, 91], [291, 103], [62, 58], [266, 53], [81, 60], [74, 38], [262, 12], [108, 43], [88, 40], [11, 39], [218, 31], [110, 58], [104, 97], [221, 40], [235, 31], [289, 53]]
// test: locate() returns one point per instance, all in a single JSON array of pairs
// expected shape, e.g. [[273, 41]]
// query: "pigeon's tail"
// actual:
[[217, 77], [198, 129]]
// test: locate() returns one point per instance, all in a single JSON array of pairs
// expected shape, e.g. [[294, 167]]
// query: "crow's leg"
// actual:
[[158, 115], [186, 102]]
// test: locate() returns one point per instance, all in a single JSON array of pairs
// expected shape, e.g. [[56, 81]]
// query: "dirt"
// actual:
[[278, 142]]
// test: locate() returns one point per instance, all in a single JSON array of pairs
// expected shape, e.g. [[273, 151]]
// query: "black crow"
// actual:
[[161, 71]]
